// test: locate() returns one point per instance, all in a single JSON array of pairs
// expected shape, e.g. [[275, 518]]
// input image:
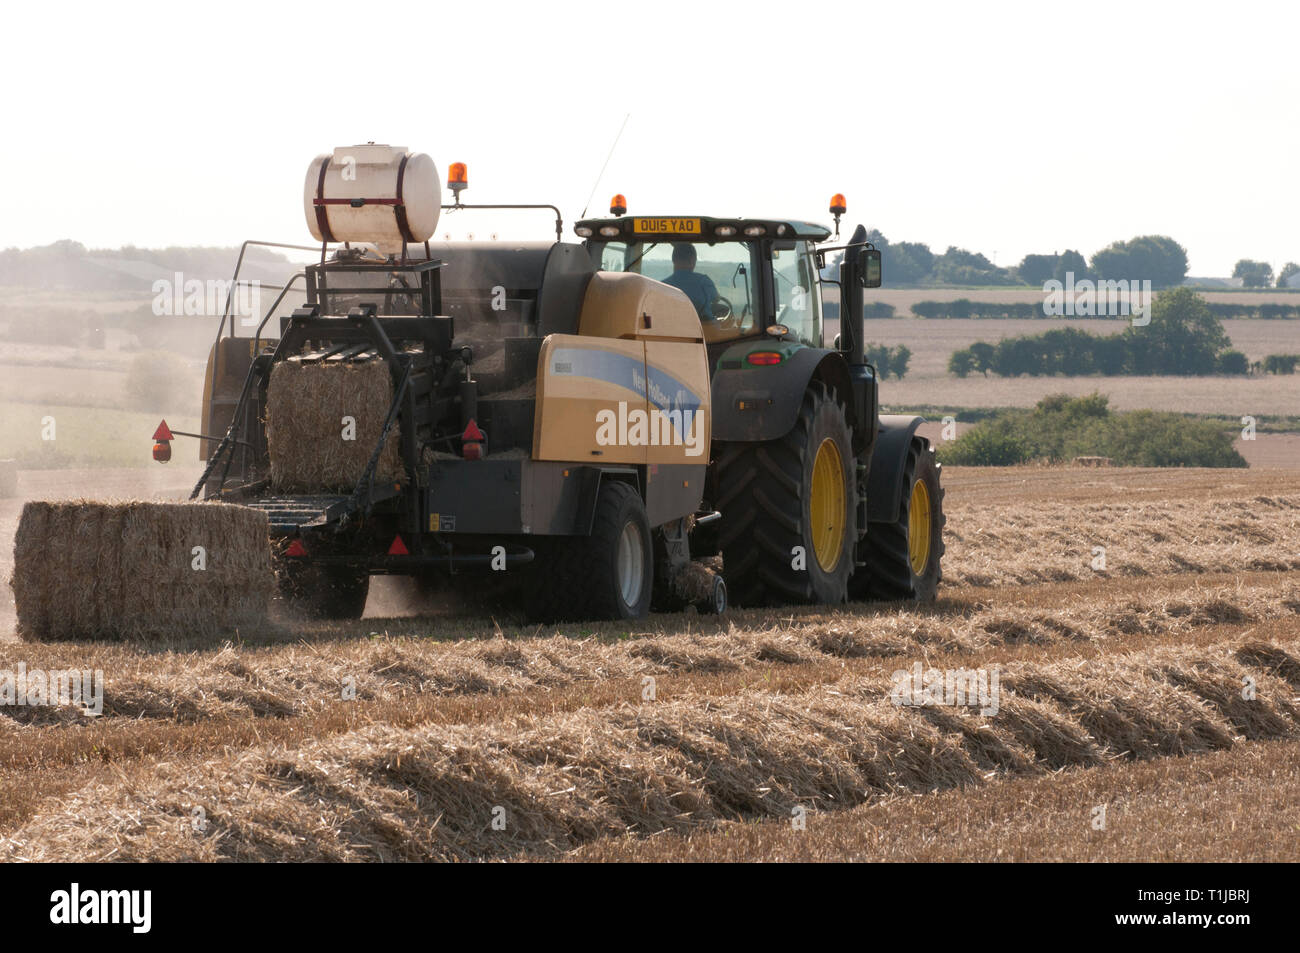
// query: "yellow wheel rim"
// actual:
[[918, 528], [826, 507]]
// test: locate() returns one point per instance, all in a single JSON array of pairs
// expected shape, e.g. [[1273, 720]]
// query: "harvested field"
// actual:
[[564, 780], [312, 447], [1033, 543], [1170, 810], [300, 680], [684, 735], [90, 571]]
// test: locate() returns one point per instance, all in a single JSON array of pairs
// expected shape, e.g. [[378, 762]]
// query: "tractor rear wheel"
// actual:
[[322, 592], [607, 575], [789, 509], [903, 557]]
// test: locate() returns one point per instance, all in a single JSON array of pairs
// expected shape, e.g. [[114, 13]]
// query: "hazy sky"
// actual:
[[1001, 127]]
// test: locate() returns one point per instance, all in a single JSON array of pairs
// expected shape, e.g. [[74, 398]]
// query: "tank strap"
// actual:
[[322, 216], [399, 208]]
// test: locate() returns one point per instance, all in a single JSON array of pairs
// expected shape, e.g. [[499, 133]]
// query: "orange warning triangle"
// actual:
[[163, 432], [398, 548]]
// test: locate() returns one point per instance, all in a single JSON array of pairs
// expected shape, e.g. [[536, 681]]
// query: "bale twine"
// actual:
[[133, 570], [307, 436]]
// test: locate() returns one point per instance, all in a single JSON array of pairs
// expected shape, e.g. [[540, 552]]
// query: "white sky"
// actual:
[[1002, 127]]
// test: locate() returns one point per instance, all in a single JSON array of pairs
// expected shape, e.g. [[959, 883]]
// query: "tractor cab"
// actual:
[[747, 278]]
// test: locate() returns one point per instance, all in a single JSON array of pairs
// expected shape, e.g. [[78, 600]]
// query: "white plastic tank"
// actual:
[[401, 189]]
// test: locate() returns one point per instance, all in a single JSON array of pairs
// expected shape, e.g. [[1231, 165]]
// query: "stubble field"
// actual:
[[766, 735]]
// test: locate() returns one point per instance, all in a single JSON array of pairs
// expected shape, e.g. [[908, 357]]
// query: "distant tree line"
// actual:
[[991, 310], [1259, 274], [888, 361], [913, 263], [1155, 258], [871, 309], [1183, 338], [1280, 363]]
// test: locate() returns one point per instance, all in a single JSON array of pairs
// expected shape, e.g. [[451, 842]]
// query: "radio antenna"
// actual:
[[605, 166]]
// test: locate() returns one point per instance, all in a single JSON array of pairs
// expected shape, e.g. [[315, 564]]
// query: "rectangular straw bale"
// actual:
[[127, 570], [305, 407]]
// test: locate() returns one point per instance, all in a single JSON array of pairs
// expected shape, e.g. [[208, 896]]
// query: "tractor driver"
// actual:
[[699, 288]]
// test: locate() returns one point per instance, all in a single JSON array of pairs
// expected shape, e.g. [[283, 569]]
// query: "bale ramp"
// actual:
[[305, 432], [134, 570]]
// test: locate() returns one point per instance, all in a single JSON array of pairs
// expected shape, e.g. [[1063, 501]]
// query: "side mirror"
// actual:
[[869, 267]]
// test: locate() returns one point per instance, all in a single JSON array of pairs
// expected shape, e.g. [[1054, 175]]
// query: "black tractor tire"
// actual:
[[607, 575], [316, 591], [889, 573], [765, 495]]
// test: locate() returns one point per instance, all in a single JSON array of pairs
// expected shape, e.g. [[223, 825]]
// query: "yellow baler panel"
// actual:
[[578, 378], [678, 384], [599, 400], [627, 305]]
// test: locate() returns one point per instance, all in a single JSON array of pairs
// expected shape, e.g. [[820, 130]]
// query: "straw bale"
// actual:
[[305, 407], [93, 570]]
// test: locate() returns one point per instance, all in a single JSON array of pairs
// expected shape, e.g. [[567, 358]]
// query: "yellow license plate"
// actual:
[[666, 226]]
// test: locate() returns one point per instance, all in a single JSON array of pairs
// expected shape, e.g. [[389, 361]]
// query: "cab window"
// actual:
[[612, 256], [718, 279], [798, 299]]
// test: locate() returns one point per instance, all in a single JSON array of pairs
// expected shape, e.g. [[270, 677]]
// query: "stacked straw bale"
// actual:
[[305, 407], [126, 570]]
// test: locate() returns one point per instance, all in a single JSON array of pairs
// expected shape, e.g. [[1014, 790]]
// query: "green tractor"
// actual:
[[811, 496], [517, 370]]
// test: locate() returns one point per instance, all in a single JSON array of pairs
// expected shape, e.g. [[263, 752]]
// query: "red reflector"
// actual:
[[162, 451], [398, 548], [296, 548], [163, 432], [472, 433], [472, 451], [765, 358]]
